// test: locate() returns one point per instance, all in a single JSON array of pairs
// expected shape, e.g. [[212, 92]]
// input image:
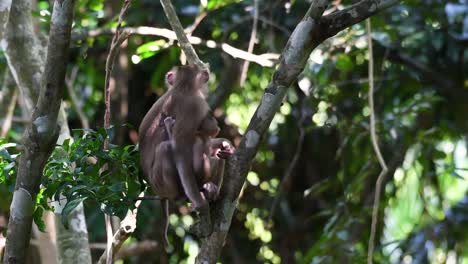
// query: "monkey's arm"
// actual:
[[150, 117]]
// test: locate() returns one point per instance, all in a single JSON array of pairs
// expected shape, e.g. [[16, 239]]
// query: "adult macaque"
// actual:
[[189, 164]]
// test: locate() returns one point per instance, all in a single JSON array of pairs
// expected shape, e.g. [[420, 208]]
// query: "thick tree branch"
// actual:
[[21, 44], [293, 60], [40, 137], [309, 33], [337, 21]]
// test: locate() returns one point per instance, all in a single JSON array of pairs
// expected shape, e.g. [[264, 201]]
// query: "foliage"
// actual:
[[323, 215], [81, 170]]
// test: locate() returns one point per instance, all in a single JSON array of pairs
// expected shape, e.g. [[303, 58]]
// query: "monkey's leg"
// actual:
[[183, 160], [164, 178]]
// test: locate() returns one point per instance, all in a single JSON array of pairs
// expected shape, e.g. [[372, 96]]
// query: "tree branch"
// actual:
[[179, 31], [293, 60], [119, 37], [41, 135], [265, 60], [309, 33], [337, 21], [8, 96], [5, 6], [127, 227], [74, 98], [375, 144], [21, 45], [253, 37]]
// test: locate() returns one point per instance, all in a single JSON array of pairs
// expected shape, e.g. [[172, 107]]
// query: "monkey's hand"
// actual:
[[210, 191], [222, 148]]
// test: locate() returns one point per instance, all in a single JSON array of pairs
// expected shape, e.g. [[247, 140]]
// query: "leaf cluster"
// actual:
[[80, 169]]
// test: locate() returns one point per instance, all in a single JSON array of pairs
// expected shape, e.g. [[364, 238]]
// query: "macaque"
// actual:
[[179, 156]]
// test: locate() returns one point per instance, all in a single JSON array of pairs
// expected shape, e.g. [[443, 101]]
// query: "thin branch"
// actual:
[[265, 60], [8, 96], [7, 120], [181, 37], [253, 37], [69, 82], [375, 144], [119, 37], [127, 227]]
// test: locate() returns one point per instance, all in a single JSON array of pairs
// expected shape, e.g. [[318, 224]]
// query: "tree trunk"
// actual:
[[41, 135]]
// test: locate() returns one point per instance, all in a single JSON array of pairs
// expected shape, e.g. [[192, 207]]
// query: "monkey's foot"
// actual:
[[203, 227], [210, 191]]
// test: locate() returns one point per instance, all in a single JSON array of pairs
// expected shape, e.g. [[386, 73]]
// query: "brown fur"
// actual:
[[182, 167]]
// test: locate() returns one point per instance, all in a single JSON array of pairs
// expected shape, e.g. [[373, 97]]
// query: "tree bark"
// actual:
[[26, 59], [41, 135]]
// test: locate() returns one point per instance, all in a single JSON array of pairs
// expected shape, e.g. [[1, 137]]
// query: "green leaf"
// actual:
[[69, 208], [4, 154], [344, 63], [117, 187], [38, 218]]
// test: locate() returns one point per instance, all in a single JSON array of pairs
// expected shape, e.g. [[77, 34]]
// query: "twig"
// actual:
[[378, 185], [74, 98], [119, 37], [127, 227], [184, 43], [253, 37]]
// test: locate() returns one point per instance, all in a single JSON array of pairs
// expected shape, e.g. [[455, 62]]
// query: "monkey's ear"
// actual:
[[170, 78], [204, 76]]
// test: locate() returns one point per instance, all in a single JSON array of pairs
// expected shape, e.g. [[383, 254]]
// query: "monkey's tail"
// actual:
[[165, 207]]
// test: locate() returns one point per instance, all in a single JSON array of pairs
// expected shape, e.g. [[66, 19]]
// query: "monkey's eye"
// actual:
[[204, 76]]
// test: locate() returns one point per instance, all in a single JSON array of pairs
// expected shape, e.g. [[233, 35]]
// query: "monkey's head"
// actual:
[[188, 79]]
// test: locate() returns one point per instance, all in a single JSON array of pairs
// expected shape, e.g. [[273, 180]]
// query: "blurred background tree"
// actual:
[[308, 197]]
